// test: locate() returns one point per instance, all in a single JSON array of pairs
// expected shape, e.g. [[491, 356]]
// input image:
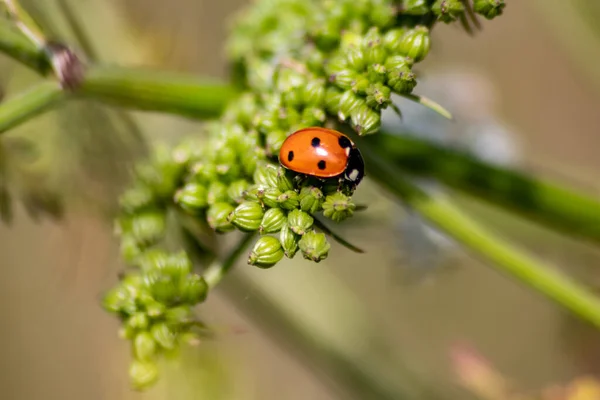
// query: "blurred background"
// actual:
[[525, 91]]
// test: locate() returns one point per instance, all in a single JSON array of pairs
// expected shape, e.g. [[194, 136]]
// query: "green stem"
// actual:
[[149, 90], [218, 269], [17, 46], [28, 104], [500, 253], [544, 202]]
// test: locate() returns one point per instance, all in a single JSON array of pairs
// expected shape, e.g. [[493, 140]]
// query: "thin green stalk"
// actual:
[[218, 269], [17, 46], [149, 90], [500, 253], [544, 202], [28, 104]]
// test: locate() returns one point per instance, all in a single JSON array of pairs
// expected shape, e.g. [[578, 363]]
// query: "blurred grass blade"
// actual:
[[500, 254], [547, 203], [432, 105], [149, 90], [28, 104]]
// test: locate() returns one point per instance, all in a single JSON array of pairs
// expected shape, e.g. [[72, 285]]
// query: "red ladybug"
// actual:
[[323, 153]]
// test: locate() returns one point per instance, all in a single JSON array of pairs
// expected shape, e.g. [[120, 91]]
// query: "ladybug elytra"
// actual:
[[322, 153]]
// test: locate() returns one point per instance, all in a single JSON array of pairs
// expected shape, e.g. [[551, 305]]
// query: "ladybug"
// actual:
[[322, 153]]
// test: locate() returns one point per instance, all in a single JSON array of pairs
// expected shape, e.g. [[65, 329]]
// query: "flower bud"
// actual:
[[360, 85], [365, 121], [300, 221], [216, 217], [144, 346], [312, 116], [376, 73], [236, 190], [275, 139], [349, 102], [402, 80], [288, 240], [143, 374], [382, 14], [161, 287], [193, 289], [178, 315], [356, 59], [114, 300], [247, 216], [489, 9], [217, 192], [269, 196], [193, 197], [310, 199], [273, 221], [333, 99], [378, 96], [392, 38], [314, 93], [344, 79], [285, 179], [267, 252], [288, 200], [163, 335], [415, 43], [204, 172], [338, 207], [147, 227], [138, 321], [265, 175], [448, 10], [314, 246], [375, 54], [130, 249], [136, 198], [415, 7], [336, 65]]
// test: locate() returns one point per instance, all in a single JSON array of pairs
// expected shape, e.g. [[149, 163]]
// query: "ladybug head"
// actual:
[[355, 168]]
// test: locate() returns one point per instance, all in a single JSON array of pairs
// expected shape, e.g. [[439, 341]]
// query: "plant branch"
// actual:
[[544, 202], [218, 269], [501, 254], [17, 46]]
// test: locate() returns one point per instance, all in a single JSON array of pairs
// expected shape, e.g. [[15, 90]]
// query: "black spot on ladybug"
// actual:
[[344, 142], [315, 142], [322, 165], [290, 156]]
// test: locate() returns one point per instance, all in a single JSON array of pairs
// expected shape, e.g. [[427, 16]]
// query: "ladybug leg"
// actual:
[[341, 183]]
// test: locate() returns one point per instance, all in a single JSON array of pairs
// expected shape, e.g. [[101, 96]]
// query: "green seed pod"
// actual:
[[356, 59], [299, 221], [392, 39], [314, 246], [163, 335], [162, 287], [378, 96], [415, 7], [288, 200], [448, 10], [402, 80], [489, 9], [203, 172], [398, 62], [236, 190], [138, 321], [360, 85], [311, 199], [415, 43], [349, 103], [344, 79], [375, 54], [274, 140], [144, 346], [147, 227], [153, 260], [217, 192], [178, 266], [382, 14], [333, 99], [154, 309], [193, 197], [143, 374], [130, 249], [365, 121], [179, 315], [247, 216], [126, 332], [272, 221], [284, 179], [266, 253], [265, 176], [289, 241], [137, 198], [312, 116], [376, 73], [338, 207], [216, 216], [337, 65], [193, 289], [114, 300], [314, 92], [269, 197]]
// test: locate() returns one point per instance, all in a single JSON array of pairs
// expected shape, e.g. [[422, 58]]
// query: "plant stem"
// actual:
[[218, 269], [502, 255], [27, 104], [546, 203], [149, 90], [15, 45]]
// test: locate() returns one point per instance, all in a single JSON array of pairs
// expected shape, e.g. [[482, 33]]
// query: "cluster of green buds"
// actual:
[[231, 184]]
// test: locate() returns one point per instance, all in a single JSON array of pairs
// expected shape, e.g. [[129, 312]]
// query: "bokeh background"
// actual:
[[526, 91]]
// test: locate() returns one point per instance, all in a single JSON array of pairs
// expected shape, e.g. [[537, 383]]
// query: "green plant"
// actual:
[[295, 64]]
